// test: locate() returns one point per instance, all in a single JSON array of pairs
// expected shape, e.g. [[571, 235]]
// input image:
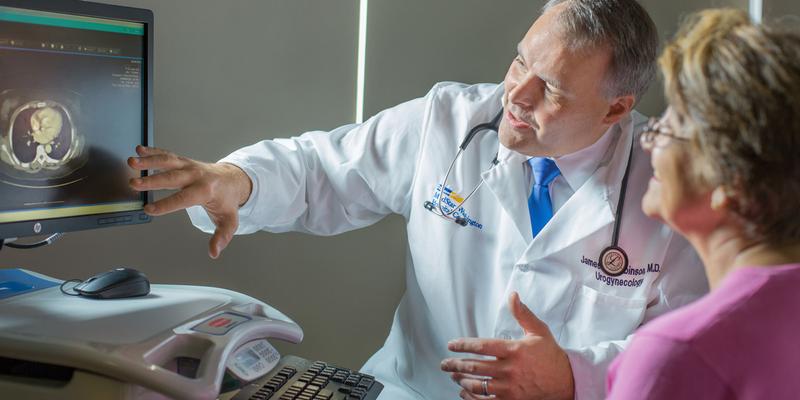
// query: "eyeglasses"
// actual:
[[657, 134]]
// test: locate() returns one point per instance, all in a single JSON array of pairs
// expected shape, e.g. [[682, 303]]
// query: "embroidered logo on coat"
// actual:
[[633, 277], [449, 200]]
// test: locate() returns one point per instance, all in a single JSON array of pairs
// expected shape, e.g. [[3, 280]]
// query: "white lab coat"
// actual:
[[458, 279]]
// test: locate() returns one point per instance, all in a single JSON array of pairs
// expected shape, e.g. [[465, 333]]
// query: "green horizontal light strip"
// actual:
[[30, 215], [70, 21]]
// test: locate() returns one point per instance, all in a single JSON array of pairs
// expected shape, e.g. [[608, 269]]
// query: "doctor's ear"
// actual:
[[618, 108]]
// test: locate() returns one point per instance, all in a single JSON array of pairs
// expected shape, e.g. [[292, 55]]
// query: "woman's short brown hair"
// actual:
[[735, 86]]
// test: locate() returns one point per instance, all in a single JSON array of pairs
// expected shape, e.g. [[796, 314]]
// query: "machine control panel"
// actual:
[[220, 324], [253, 360]]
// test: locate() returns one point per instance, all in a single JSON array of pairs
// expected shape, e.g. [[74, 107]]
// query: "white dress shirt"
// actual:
[[576, 168]]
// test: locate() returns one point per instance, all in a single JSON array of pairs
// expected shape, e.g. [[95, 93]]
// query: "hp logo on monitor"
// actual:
[[37, 227]]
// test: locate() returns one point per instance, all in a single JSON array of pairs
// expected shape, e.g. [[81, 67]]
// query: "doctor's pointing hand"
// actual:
[[531, 367], [220, 188]]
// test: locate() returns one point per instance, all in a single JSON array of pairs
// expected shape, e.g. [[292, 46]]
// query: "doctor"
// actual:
[[567, 101]]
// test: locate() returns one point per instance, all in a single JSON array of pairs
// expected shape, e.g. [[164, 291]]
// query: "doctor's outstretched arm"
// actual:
[[219, 188], [321, 182]]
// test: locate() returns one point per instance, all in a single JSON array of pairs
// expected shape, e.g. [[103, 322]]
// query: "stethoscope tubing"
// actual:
[[444, 183], [621, 201], [492, 125]]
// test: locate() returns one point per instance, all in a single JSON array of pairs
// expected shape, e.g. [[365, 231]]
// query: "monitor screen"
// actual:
[[74, 104]]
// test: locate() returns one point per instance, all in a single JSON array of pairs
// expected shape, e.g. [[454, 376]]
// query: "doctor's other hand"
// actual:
[[533, 367], [219, 188]]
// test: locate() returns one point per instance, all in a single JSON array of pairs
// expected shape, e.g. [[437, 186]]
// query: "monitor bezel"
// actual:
[[102, 220]]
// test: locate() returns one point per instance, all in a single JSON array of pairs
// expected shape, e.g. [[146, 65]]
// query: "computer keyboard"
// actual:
[[295, 378]]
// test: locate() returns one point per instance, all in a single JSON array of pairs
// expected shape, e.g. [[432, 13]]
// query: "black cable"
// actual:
[[73, 287], [49, 240]]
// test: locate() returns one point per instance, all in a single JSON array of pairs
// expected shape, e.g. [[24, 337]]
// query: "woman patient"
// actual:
[[726, 158]]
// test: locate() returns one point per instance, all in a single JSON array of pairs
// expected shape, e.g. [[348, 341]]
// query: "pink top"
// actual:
[[741, 341]]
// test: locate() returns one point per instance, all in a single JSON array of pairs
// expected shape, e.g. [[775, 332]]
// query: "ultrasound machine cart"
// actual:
[[132, 348], [178, 342]]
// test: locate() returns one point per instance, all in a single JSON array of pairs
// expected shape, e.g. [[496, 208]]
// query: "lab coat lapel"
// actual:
[[508, 183], [592, 206]]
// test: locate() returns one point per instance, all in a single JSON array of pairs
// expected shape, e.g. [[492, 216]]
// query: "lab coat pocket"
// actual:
[[595, 317]]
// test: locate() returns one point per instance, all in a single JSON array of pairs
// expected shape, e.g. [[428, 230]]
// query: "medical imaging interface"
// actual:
[[71, 112]]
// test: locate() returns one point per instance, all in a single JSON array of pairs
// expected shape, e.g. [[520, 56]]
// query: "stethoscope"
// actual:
[[613, 259]]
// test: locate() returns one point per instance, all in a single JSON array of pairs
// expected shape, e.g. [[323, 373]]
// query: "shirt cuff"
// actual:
[[246, 210]]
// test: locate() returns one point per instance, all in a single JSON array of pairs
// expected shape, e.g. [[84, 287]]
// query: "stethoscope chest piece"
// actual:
[[613, 261]]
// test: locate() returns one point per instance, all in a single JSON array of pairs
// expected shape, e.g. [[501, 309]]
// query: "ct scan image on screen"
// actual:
[[71, 112]]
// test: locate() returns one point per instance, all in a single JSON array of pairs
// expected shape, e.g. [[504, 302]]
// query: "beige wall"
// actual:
[[667, 16], [229, 73], [413, 44], [777, 9]]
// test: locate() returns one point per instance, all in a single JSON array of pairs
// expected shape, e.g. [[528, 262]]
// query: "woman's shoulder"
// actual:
[[740, 338], [746, 296]]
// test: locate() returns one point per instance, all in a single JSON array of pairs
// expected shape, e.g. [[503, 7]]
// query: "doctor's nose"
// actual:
[[527, 92]]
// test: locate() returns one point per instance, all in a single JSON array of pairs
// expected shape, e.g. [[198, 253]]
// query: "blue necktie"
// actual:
[[539, 203]]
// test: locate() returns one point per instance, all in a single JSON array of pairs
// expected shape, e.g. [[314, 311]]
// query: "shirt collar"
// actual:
[[578, 167]]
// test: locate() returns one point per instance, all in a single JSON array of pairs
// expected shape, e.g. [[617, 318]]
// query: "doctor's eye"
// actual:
[[518, 59], [552, 95]]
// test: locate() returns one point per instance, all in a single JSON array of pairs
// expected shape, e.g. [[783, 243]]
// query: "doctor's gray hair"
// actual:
[[625, 28]]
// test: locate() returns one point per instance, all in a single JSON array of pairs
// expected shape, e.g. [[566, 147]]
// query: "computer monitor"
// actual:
[[75, 100]]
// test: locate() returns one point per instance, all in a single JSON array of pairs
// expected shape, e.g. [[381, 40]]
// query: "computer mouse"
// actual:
[[118, 283]]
